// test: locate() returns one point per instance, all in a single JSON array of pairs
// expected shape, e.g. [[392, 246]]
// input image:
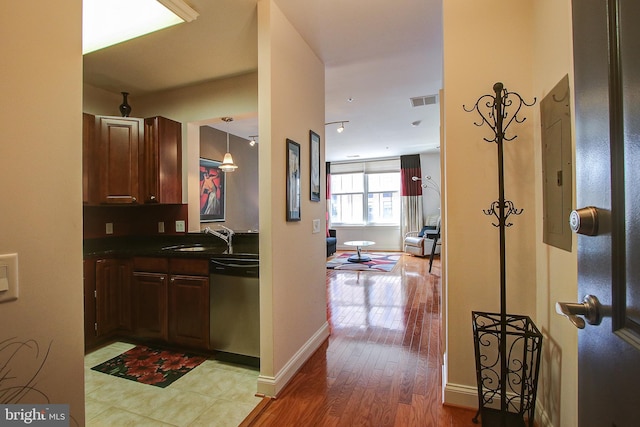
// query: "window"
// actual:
[[365, 197]]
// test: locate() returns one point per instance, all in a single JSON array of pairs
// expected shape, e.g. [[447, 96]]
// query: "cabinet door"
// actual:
[[189, 311], [162, 160], [112, 279], [149, 305], [89, 282], [118, 147], [89, 172]]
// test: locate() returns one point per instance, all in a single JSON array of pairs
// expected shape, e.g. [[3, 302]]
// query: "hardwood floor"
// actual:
[[381, 366]]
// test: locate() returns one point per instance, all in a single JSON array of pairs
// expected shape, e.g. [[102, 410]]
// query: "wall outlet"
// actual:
[[108, 228], [179, 226], [161, 227], [316, 226]]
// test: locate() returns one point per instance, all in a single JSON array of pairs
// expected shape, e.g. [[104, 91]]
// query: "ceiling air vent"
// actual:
[[419, 101]]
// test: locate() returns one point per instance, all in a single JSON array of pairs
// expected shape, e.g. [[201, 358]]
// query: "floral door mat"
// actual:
[[150, 366], [380, 261]]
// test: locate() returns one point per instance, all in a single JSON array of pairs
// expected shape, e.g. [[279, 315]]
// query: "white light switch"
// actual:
[[108, 228], [316, 226], [161, 227], [8, 277], [179, 226]]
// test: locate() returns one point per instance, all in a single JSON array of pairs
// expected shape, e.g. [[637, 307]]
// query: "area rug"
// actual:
[[380, 261], [150, 366]]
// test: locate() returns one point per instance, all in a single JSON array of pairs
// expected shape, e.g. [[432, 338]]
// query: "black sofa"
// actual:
[[332, 242]]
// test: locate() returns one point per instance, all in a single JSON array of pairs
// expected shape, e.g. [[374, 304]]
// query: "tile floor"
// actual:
[[212, 394]]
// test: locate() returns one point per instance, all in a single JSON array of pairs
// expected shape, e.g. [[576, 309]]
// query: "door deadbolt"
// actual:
[[584, 221]]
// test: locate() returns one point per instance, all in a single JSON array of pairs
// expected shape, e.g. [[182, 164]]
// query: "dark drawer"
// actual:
[[157, 265]]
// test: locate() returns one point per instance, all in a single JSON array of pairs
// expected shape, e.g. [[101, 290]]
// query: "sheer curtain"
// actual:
[[411, 192]]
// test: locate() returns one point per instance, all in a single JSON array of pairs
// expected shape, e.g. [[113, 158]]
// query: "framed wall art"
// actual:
[[212, 191], [293, 181], [314, 143]]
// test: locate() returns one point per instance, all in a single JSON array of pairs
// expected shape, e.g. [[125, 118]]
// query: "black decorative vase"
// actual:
[[125, 108]]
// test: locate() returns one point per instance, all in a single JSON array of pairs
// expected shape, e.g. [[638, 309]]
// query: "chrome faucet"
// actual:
[[225, 234]]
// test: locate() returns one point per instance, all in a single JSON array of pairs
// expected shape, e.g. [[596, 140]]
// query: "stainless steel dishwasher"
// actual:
[[234, 289]]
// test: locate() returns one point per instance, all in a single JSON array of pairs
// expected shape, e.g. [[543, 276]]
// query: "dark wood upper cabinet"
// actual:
[[118, 147], [162, 161], [127, 160], [89, 179]]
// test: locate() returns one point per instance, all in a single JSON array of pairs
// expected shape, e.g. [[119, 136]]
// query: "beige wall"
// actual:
[[292, 274], [556, 269], [477, 55], [41, 215], [527, 46]]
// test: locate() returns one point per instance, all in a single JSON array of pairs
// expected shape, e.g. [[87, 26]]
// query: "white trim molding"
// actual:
[[460, 395], [271, 386]]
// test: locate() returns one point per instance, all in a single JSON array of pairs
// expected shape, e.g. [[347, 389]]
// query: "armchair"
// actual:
[[424, 242], [332, 242]]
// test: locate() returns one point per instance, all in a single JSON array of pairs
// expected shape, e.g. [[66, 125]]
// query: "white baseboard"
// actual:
[[542, 418], [271, 386], [460, 395]]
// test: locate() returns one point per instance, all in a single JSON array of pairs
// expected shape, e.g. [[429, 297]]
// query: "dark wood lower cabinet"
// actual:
[[112, 296], [149, 303], [150, 299], [89, 283], [189, 311], [170, 301]]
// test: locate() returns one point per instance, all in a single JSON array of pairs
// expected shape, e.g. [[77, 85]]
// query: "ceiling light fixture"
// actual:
[[227, 163], [341, 127], [109, 22], [252, 140]]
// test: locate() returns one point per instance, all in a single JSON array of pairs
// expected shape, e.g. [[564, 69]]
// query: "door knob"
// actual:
[[589, 308], [584, 221]]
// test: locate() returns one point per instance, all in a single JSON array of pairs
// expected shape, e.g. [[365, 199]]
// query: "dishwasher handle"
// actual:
[[232, 263]]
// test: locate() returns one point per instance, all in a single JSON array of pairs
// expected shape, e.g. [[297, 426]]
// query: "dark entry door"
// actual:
[[607, 93]]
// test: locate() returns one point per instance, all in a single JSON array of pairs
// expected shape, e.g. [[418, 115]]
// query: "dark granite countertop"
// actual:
[[245, 245]]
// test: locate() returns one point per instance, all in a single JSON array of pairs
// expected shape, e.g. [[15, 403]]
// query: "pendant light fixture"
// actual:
[[227, 163]]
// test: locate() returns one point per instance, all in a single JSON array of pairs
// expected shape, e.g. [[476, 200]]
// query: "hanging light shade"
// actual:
[[227, 163]]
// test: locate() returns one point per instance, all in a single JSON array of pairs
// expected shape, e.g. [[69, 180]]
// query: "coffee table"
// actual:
[[359, 244]]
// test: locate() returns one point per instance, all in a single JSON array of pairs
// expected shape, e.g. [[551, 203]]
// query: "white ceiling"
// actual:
[[379, 53]]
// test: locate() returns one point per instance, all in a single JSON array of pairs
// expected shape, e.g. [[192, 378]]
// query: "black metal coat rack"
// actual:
[[510, 371]]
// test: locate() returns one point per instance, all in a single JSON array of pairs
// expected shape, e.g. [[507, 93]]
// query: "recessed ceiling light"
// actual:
[[109, 22], [416, 123], [350, 99]]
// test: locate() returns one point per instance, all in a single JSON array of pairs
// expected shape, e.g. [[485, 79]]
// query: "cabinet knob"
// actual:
[[134, 200]]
